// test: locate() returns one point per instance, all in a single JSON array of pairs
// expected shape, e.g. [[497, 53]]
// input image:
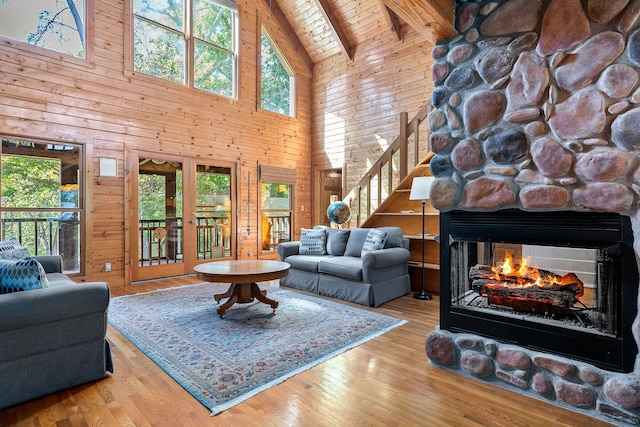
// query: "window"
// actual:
[[42, 198], [276, 205], [201, 55], [57, 25], [277, 80]]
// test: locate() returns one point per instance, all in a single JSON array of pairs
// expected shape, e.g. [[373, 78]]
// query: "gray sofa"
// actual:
[[344, 272], [53, 338]]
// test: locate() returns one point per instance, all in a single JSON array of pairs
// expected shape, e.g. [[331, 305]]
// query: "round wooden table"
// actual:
[[243, 275]]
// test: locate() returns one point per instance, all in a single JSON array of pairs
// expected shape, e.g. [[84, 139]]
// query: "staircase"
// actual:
[[381, 198]]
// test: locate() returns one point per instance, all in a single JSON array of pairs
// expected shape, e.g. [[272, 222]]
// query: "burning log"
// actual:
[[527, 289]]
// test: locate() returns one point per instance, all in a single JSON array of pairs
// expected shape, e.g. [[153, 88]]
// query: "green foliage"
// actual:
[[211, 189], [151, 196], [30, 182], [159, 43], [276, 80]]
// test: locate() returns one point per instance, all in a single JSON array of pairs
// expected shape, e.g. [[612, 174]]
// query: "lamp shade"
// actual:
[[420, 187]]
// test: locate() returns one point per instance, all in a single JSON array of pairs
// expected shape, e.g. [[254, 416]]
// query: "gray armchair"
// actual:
[[53, 338]]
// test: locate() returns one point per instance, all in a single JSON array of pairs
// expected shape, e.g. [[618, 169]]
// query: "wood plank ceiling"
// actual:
[[319, 29]]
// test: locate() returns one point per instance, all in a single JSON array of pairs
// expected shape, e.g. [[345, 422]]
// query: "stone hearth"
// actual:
[[537, 107]]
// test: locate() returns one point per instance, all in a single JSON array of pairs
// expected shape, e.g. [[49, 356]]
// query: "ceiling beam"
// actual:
[[392, 21], [431, 18], [335, 28], [282, 21]]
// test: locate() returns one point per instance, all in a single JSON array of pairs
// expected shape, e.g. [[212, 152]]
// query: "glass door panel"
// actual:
[[213, 212], [160, 234]]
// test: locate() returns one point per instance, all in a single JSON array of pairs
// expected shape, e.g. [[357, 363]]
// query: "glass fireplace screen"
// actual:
[[560, 282], [572, 288]]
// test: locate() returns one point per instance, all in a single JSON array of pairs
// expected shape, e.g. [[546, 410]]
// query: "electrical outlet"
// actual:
[[250, 253], [107, 266]]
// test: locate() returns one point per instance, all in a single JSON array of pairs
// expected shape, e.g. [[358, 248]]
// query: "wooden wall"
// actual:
[[346, 113], [357, 105], [101, 104]]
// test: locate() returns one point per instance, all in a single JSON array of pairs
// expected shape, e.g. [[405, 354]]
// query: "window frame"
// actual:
[[39, 51], [83, 204], [189, 46], [286, 65], [276, 175]]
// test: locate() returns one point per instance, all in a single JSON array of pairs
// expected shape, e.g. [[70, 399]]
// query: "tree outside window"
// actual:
[[42, 203], [202, 55], [277, 80], [57, 25]]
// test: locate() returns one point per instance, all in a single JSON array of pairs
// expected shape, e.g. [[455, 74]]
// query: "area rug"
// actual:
[[223, 362]]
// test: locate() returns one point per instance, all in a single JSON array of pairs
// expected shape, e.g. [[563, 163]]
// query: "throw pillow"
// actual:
[[337, 241], [11, 249], [394, 237], [23, 275], [312, 242], [357, 236], [9, 245], [22, 253], [374, 241]]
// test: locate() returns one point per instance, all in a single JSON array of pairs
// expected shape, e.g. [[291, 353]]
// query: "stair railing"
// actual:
[[389, 170]]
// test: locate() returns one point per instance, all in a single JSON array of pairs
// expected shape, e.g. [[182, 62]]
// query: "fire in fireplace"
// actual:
[[558, 282], [527, 289]]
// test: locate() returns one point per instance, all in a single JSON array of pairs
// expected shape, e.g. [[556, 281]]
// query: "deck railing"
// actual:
[[160, 241], [39, 235], [276, 229]]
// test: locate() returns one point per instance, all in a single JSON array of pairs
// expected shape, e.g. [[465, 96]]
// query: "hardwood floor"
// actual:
[[384, 382]]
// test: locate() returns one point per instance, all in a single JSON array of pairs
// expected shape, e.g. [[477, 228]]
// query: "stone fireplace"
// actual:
[[536, 130]]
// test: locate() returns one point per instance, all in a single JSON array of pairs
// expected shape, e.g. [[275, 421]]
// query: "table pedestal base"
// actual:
[[243, 293]]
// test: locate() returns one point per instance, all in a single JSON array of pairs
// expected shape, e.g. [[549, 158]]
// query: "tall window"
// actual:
[[276, 205], [277, 79], [57, 25], [42, 198], [191, 42]]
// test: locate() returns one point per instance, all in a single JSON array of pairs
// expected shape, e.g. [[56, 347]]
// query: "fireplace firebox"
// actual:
[[561, 282]]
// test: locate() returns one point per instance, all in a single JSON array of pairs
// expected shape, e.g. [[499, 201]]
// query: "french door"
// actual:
[[185, 212]]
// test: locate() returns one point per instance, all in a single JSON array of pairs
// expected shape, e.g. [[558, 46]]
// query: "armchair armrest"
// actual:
[[26, 309], [51, 263], [286, 249]]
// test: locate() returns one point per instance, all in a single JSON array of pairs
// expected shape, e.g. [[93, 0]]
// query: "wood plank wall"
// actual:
[[98, 103], [357, 105], [101, 104]]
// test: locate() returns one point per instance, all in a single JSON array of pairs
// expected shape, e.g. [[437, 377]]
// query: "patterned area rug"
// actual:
[[223, 362]]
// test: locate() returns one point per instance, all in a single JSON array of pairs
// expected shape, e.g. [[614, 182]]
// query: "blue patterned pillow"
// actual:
[[313, 242], [375, 240], [22, 275]]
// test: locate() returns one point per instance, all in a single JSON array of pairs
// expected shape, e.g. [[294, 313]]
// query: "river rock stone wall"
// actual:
[[537, 107]]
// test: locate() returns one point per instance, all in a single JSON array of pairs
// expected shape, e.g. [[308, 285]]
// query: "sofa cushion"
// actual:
[[337, 241], [395, 237], [357, 236], [304, 262], [375, 240], [313, 242], [21, 275], [344, 266]]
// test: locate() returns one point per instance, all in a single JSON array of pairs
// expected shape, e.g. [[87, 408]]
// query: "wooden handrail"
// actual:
[[399, 145]]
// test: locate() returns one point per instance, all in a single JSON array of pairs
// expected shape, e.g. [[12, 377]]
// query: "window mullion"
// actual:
[[189, 41]]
